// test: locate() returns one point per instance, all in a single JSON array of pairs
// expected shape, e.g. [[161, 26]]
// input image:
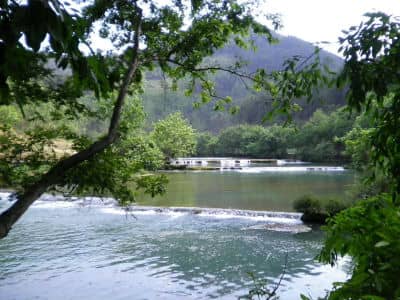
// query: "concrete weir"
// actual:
[[226, 163]]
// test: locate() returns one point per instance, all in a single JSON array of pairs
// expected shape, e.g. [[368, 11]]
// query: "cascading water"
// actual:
[[110, 205]]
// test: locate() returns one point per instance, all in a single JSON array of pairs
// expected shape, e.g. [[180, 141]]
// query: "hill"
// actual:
[[160, 100]]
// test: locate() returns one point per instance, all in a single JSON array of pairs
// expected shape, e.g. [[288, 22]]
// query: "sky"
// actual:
[[323, 20], [314, 20]]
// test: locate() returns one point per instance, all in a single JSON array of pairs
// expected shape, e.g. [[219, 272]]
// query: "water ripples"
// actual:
[[101, 255]]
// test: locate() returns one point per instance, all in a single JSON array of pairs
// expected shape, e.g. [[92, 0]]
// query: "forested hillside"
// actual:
[[160, 99]]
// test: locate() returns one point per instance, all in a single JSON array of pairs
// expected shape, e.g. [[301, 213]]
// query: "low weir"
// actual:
[[211, 161], [228, 162], [110, 205], [246, 165]]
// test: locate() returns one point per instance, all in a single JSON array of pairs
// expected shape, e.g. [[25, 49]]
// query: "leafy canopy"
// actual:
[[372, 65], [369, 231], [174, 136]]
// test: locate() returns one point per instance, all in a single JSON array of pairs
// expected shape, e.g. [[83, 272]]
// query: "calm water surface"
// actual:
[[71, 250], [251, 188]]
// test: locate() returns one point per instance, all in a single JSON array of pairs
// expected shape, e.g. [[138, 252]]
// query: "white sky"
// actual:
[[323, 20], [314, 20]]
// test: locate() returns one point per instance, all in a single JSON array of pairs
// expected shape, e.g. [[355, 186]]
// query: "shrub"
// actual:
[[317, 210], [369, 233], [307, 204], [334, 206]]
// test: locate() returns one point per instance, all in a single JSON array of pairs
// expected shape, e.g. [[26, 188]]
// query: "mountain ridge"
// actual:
[[160, 100]]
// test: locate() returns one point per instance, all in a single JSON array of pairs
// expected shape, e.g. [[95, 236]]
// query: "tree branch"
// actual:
[[218, 68], [56, 173], [278, 284]]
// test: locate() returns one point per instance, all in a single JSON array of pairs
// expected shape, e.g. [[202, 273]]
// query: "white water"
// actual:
[[282, 162], [290, 169], [223, 162], [247, 166], [110, 206]]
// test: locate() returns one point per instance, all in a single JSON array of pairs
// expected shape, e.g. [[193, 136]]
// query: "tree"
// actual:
[[236, 140], [371, 180], [369, 231], [205, 144], [319, 138], [175, 38], [277, 141], [254, 141], [174, 136]]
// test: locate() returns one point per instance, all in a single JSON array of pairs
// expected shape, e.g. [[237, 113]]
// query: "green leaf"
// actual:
[[382, 244]]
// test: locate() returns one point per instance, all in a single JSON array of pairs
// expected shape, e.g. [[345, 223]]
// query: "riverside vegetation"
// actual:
[[367, 232], [320, 139]]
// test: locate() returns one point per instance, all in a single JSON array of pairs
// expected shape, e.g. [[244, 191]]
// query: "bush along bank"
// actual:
[[316, 210]]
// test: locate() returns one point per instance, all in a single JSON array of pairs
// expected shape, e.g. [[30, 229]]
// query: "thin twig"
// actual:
[[273, 293]]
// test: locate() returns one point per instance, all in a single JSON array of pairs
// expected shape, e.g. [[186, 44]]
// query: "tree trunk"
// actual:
[[56, 173]]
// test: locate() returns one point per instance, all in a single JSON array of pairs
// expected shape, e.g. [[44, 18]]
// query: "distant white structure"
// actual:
[[189, 162], [222, 162], [253, 165], [282, 162]]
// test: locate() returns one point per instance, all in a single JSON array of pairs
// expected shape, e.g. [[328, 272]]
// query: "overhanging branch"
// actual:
[[55, 174]]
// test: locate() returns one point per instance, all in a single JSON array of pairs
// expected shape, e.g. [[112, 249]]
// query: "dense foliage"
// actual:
[[321, 139], [359, 143], [174, 136], [369, 231], [318, 210], [31, 149], [125, 166], [9, 115]]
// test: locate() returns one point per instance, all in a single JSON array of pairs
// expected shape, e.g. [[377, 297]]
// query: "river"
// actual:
[[89, 248], [257, 188]]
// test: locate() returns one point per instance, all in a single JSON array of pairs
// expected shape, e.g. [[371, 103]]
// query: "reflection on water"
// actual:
[[79, 252], [244, 189]]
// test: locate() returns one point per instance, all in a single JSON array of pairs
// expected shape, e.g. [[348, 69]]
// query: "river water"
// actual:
[[89, 248], [257, 188]]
